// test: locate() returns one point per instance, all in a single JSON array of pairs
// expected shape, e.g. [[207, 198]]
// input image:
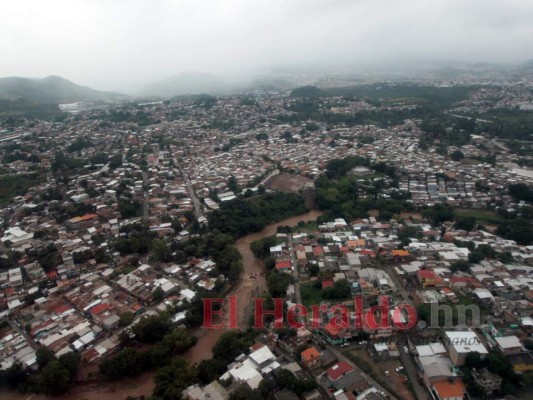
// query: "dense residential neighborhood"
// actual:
[[415, 270]]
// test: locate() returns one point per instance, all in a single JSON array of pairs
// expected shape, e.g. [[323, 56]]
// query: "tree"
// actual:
[[521, 191], [278, 283], [439, 213], [70, 361], [261, 247], [340, 290], [115, 161], [243, 392], [467, 223], [460, 265], [232, 184], [170, 381], [314, 270], [44, 356], [160, 250], [230, 345], [126, 318], [472, 360], [54, 379], [158, 294], [127, 362], [153, 328], [261, 136], [457, 155]]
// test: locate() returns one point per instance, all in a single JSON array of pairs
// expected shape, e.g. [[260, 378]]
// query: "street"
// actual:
[[412, 372], [195, 201]]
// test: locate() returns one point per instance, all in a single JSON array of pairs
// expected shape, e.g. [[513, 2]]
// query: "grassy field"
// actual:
[[309, 227], [481, 216], [310, 294]]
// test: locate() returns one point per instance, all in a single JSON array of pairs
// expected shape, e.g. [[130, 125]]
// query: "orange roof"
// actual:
[[310, 354], [400, 253], [446, 389], [85, 217], [283, 264]]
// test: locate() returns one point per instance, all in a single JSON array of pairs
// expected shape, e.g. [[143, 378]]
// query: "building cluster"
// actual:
[[495, 297], [101, 182]]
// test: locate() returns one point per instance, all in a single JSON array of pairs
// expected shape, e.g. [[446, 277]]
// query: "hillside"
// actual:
[[50, 90]]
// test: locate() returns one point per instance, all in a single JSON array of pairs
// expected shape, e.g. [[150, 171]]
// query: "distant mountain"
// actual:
[[188, 83], [50, 90]]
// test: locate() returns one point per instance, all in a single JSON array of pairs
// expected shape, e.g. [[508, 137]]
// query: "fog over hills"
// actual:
[[51, 90]]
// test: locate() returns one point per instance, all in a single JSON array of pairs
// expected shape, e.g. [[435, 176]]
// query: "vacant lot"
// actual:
[[288, 183], [396, 381], [311, 295]]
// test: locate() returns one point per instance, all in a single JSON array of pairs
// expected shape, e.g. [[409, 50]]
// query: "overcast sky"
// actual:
[[119, 45]]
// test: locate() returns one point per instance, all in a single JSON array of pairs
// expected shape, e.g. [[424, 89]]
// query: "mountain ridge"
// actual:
[[52, 89]]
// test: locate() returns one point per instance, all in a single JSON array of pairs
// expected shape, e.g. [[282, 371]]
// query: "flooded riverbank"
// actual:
[[251, 284]]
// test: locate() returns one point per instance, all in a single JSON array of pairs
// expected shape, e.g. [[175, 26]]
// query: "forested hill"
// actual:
[[50, 90]]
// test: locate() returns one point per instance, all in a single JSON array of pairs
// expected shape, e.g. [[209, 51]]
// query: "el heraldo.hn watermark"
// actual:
[[222, 313]]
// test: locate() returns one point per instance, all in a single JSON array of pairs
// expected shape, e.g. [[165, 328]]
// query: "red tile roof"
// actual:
[[283, 264], [338, 370], [62, 308], [100, 308]]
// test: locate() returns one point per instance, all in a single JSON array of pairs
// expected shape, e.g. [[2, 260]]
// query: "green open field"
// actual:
[[486, 216], [309, 227], [310, 294]]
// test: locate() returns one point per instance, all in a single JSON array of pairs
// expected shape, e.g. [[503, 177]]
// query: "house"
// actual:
[[283, 266], [338, 370], [400, 255], [461, 343], [428, 278], [334, 335], [449, 390], [213, 391], [16, 236], [342, 376], [310, 357], [509, 344]]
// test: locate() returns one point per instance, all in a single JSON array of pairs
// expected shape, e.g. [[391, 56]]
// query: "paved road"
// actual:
[[146, 196], [28, 338], [195, 201], [465, 117], [412, 372], [295, 273]]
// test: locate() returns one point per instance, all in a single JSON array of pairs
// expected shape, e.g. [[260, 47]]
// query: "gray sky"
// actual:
[[121, 45]]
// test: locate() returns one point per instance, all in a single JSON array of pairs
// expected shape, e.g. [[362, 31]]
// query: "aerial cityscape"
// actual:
[[247, 220]]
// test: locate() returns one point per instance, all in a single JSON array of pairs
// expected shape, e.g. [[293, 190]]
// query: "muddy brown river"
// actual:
[[250, 285]]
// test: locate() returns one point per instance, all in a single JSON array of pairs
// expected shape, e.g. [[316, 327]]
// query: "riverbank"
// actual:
[[251, 284]]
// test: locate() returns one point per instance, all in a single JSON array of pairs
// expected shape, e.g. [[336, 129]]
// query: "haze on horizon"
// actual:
[[125, 45]]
